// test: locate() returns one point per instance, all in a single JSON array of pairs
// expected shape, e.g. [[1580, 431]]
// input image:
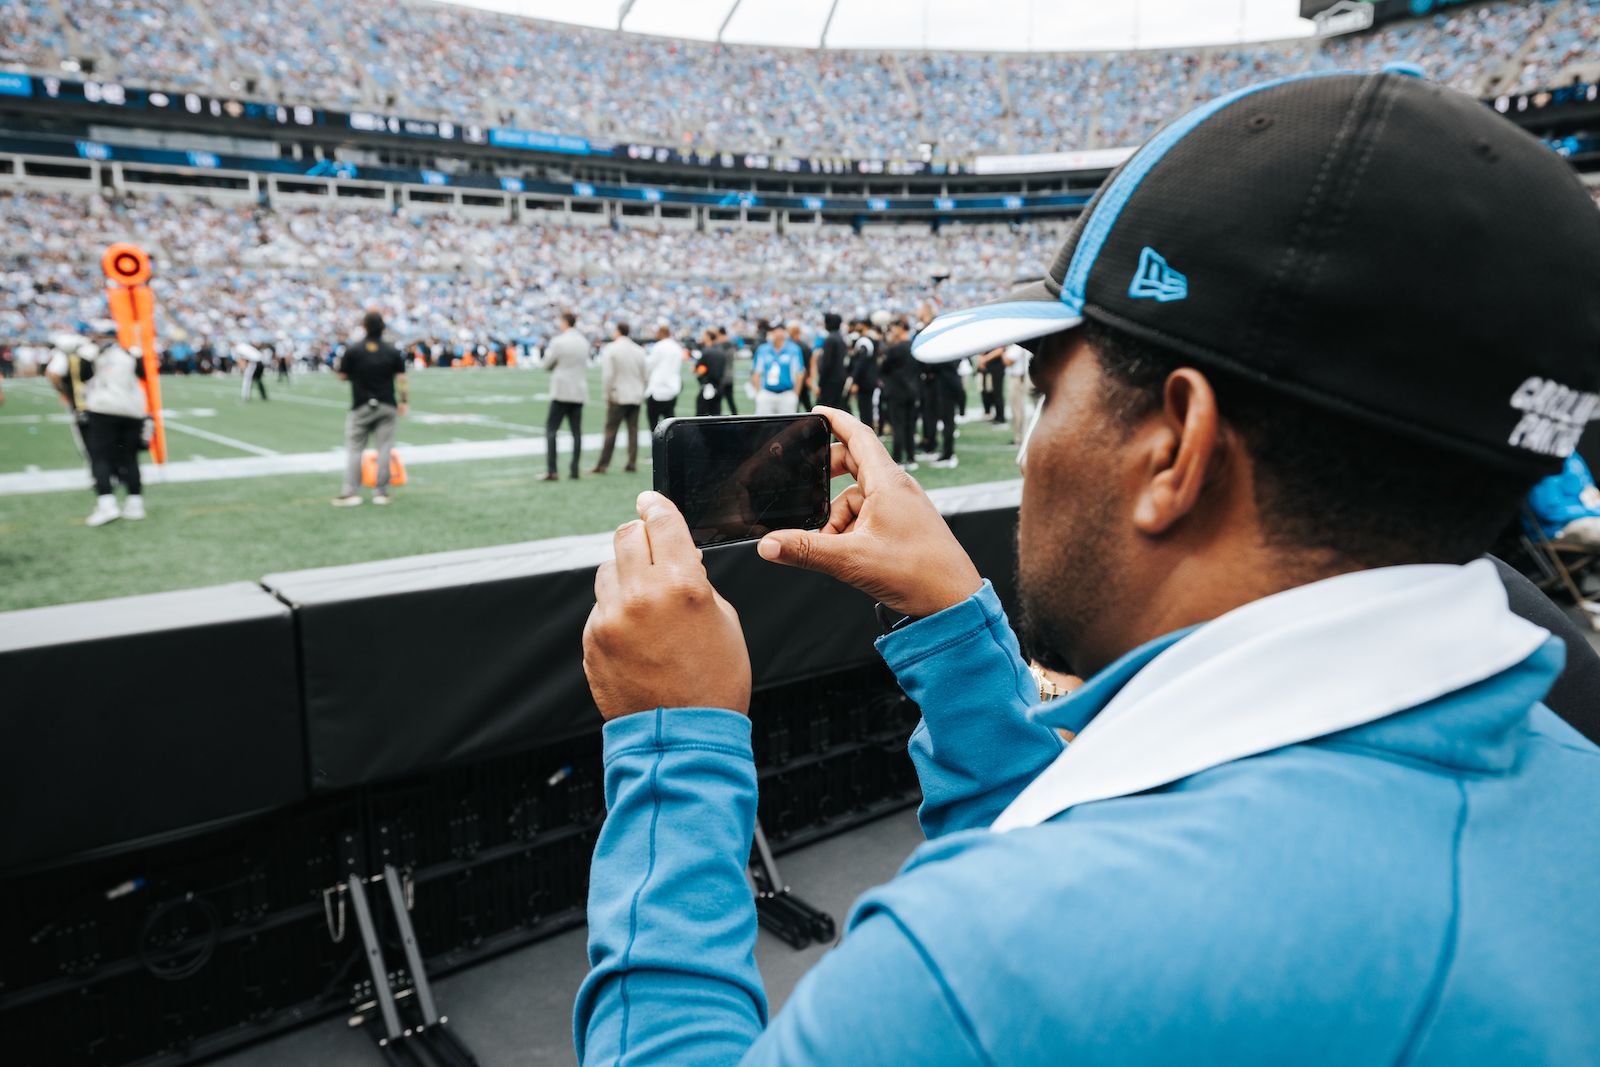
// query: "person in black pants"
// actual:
[[114, 442], [709, 372], [572, 414], [993, 368], [864, 372], [928, 407], [948, 389], [831, 366], [728, 372], [900, 384]]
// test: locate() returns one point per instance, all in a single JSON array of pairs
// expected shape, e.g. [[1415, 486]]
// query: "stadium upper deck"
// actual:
[[439, 60]]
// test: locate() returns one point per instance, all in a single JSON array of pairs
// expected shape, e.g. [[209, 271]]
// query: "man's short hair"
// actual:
[[570, 318], [831, 321], [622, 329], [372, 323], [1328, 483]]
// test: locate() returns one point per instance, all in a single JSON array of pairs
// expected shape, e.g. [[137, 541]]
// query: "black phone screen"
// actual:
[[736, 479]]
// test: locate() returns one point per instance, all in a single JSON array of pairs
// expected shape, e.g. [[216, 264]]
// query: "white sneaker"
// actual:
[[351, 501], [924, 456], [908, 467], [133, 508], [947, 464], [105, 510], [380, 498]]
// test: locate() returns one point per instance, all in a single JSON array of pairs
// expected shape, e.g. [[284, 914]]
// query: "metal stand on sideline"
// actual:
[[794, 921], [427, 1043]]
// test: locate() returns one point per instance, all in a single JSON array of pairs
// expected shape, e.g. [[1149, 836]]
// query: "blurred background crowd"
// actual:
[[248, 274], [427, 61]]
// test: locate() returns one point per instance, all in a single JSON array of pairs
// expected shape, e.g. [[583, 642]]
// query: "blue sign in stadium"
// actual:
[[15, 85], [539, 141]]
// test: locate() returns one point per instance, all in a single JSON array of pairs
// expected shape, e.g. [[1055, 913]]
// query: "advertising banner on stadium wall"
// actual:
[[1053, 162]]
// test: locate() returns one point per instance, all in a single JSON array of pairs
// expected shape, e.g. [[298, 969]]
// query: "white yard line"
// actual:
[[217, 438], [328, 462]]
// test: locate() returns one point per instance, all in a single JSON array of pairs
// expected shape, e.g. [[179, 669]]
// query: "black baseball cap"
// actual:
[[1373, 243]]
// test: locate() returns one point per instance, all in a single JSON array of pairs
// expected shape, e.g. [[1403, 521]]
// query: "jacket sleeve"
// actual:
[[975, 748], [672, 927], [672, 922]]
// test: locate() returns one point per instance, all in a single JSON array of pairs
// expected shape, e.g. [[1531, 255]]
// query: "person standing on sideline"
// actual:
[[106, 384], [379, 393], [566, 357], [864, 371], [1016, 360], [992, 368], [946, 390], [727, 370], [254, 363], [832, 365], [666, 375], [624, 377], [709, 371], [779, 374], [901, 384]]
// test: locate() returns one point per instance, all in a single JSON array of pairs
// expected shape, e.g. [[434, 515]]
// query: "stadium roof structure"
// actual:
[[943, 25]]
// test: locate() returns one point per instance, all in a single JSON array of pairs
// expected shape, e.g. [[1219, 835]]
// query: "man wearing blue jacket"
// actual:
[[1314, 811]]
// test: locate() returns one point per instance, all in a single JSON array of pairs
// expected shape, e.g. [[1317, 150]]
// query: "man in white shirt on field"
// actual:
[[666, 375]]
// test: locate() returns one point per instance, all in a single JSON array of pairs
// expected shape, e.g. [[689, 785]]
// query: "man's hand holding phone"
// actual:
[[659, 634], [884, 536]]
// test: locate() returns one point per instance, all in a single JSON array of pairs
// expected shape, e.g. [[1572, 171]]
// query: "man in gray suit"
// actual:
[[566, 357], [623, 377]]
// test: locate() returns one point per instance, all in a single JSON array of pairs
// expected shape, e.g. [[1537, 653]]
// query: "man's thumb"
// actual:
[[802, 548]]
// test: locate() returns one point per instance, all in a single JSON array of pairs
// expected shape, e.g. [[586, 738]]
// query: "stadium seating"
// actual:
[[1568, 36], [471, 65], [243, 273]]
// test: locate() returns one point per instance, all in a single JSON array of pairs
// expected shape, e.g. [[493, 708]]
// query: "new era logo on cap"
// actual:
[[1321, 211], [1156, 279]]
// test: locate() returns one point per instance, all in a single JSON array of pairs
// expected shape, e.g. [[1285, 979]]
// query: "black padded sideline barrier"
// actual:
[[128, 719], [414, 663]]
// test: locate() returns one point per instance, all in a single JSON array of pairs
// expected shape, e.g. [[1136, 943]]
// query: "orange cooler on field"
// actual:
[[369, 468]]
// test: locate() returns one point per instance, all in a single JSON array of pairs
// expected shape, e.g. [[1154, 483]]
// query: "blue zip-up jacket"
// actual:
[[1419, 890], [1557, 500]]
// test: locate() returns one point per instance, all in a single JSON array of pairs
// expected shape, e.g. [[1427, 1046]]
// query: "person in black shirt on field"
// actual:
[[948, 390], [864, 371], [376, 371], [710, 371], [901, 384], [728, 372], [831, 366]]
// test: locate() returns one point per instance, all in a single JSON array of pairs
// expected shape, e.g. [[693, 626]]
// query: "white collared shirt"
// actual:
[[1285, 669]]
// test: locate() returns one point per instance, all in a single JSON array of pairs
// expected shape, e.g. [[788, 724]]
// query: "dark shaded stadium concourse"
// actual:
[[517, 1009]]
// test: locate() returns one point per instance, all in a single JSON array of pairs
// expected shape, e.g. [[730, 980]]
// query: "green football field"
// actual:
[[232, 528]]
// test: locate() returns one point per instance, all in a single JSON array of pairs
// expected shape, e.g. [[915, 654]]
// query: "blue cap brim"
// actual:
[[1031, 312]]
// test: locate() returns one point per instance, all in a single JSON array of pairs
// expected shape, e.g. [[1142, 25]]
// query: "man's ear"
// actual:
[[1179, 448]]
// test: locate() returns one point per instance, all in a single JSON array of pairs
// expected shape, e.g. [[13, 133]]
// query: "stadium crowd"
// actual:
[[242, 274], [469, 65]]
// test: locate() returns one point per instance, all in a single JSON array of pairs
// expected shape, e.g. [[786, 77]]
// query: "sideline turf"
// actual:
[[209, 532]]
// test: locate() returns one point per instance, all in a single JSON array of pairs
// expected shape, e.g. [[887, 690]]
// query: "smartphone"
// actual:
[[738, 478]]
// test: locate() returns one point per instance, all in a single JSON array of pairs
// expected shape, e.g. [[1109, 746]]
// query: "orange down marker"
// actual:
[[133, 309]]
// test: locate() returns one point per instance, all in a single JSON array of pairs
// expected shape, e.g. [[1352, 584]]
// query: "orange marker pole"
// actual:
[[133, 309]]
